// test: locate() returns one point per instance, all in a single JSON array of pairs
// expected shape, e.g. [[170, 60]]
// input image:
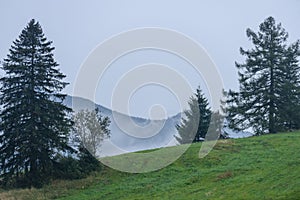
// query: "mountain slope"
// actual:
[[263, 167], [266, 167]]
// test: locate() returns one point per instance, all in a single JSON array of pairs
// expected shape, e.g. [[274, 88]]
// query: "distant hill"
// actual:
[[122, 142]]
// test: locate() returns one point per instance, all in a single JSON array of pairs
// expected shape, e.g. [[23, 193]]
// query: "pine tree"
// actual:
[[262, 78], [34, 122], [196, 120]]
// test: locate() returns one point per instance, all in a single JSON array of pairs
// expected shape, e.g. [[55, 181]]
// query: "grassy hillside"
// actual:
[[265, 167]]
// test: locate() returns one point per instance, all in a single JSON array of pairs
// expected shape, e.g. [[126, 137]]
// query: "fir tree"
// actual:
[[205, 115], [263, 78], [196, 120], [188, 127], [34, 122]]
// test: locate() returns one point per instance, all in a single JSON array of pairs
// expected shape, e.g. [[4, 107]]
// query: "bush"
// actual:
[[76, 168]]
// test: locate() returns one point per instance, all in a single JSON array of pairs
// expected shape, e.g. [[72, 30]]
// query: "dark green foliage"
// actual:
[[268, 100], [76, 168], [34, 122], [189, 124], [87, 162], [289, 104], [196, 120], [205, 115], [67, 168]]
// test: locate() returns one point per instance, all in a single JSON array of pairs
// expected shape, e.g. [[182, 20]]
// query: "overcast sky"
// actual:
[[77, 27]]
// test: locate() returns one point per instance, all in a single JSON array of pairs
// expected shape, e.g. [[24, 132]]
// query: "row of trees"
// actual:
[[34, 123], [268, 100]]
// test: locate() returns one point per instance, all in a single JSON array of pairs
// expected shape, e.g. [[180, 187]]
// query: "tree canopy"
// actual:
[[268, 97]]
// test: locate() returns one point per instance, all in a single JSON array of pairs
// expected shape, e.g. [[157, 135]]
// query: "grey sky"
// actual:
[[77, 27]]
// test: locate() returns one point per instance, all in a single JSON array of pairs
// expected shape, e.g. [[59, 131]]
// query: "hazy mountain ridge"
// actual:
[[122, 142]]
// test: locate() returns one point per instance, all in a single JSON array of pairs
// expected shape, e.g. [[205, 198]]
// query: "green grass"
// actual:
[[265, 167]]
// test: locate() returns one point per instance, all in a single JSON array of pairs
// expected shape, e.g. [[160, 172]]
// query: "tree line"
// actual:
[[36, 127], [268, 100]]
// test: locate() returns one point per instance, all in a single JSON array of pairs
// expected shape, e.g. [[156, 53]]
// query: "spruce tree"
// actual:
[[204, 117], [196, 120], [34, 122], [188, 127], [262, 79]]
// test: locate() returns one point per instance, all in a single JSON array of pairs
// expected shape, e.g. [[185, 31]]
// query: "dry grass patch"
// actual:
[[225, 175]]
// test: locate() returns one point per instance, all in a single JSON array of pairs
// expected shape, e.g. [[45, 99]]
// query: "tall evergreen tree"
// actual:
[[205, 115], [262, 79], [188, 127], [34, 122], [196, 120]]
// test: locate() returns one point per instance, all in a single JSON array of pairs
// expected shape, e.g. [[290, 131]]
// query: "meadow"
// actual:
[[259, 167]]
